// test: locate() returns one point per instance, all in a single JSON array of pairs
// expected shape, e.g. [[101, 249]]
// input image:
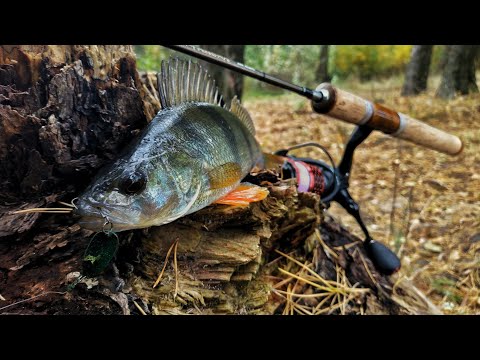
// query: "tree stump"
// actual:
[[65, 111]]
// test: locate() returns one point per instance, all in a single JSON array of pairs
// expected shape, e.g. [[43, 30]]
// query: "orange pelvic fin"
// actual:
[[243, 195]]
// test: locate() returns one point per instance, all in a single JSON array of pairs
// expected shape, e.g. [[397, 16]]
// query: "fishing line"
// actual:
[[314, 144], [32, 298]]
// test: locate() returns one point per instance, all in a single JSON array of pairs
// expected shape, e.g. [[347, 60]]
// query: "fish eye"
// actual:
[[133, 184]]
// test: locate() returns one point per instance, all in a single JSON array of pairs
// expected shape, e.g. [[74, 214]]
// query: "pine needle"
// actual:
[[139, 308], [176, 269], [326, 282], [44, 210], [164, 265], [367, 268], [72, 205], [326, 248], [303, 295], [328, 289], [334, 307], [323, 302], [283, 282]]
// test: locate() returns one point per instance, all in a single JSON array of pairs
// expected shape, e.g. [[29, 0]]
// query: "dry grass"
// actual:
[[436, 212]]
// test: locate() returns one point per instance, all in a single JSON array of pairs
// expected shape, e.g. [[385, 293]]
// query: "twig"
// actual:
[[396, 164], [407, 223]]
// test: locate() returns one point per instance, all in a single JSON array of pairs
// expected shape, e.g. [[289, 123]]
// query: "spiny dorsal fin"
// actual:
[[237, 108], [181, 81]]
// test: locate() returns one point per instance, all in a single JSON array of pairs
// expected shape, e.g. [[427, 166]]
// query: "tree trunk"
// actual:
[[67, 110], [418, 68], [443, 58], [230, 82], [459, 72], [322, 69]]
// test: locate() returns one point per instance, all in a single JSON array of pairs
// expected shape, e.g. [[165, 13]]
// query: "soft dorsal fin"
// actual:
[[182, 81], [237, 108]]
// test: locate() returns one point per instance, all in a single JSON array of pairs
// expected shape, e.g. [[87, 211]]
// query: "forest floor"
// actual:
[[425, 205]]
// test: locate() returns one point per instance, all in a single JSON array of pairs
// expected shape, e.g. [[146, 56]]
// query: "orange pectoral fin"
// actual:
[[243, 195]]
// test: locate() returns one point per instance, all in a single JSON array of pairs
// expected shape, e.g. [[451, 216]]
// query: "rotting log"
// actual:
[[65, 111]]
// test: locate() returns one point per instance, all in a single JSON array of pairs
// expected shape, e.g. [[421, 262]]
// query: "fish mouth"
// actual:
[[98, 223], [91, 222], [96, 218]]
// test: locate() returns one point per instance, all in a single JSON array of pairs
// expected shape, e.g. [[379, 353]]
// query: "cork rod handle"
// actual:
[[353, 109]]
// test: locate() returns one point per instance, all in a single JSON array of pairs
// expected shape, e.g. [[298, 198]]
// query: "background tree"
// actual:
[[229, 82], [459, 72], [322, 69], [418, 68]]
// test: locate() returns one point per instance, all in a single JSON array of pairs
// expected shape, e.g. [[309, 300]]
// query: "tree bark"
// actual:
[[322, 69], [459, 72], [67, 110], [416, 75], [229, 82], [443, 58]]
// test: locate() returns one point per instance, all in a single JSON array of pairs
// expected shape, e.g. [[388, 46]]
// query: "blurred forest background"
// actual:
[[446, 68], [423, 204]]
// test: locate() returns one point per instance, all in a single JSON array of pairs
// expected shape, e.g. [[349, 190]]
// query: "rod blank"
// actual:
[[345, 106]]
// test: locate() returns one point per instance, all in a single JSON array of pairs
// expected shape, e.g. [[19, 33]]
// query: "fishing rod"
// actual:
[[332, 182], [339, 104]]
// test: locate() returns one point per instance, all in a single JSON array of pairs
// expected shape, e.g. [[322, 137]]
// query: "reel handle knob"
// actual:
[[383, 258]]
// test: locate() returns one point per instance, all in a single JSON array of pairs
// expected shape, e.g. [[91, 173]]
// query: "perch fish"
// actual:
[[193, 153]]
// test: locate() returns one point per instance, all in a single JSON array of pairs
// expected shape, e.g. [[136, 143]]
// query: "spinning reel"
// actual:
[[332, 183]]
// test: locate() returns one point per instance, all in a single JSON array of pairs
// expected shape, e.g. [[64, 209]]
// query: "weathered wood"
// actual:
[[64, 112], [220, 250]]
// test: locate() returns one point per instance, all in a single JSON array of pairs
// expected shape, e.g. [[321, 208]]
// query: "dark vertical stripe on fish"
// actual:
[[219, 119]]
